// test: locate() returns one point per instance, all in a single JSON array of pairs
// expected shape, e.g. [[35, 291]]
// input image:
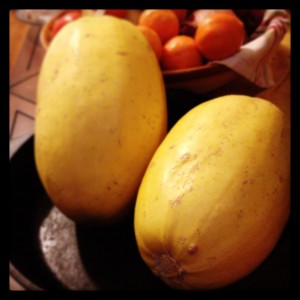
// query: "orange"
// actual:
[[153, 40], [200, 15], [181, 52], [120, 13], [180, 13], [163, 21], [219, 36]]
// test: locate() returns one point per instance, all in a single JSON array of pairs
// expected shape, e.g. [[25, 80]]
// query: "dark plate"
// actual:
[[48, 251], [51, 252]]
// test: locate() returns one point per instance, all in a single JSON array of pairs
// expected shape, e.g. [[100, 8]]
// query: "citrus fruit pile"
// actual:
[[183, 39]]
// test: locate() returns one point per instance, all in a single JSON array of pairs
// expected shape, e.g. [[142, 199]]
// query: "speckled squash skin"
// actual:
[[215, 197], [101, 114]]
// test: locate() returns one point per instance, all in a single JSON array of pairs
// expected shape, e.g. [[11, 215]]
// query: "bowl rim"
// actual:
[[45, 30], [21, 279], [202, 71]]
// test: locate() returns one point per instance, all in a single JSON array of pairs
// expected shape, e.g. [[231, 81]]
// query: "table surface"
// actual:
[[17, 34], [24, 68]]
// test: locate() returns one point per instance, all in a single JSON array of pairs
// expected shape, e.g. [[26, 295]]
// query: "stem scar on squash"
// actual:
[[167, 267]]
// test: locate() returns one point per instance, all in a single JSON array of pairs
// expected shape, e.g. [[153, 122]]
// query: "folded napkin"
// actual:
[[253, 59]]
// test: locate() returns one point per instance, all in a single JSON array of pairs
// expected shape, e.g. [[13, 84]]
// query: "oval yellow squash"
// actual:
[[215, 197], [101, 114]]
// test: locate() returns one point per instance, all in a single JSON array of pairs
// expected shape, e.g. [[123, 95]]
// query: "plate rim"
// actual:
[[21, 279]]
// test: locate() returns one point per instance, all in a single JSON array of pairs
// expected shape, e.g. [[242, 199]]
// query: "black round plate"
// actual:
[[49, 251]]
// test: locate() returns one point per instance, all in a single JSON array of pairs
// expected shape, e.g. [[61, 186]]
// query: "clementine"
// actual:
[[120, 13], [153, 40], [163, 21], [180, 13], [219, 36], [180, 52]]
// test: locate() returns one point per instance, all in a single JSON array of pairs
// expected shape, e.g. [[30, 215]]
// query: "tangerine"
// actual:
[[181, 52], [163, 21], [120, 13], [219, 36], [153, 40], [180, 13]]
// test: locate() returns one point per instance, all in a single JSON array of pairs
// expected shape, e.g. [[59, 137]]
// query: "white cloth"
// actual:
[[253, 59]]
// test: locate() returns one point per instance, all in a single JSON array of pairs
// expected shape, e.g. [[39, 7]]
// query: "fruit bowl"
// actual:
[[45, 34], [200, 79]]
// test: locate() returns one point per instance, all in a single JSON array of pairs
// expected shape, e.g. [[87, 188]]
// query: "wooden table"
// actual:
[[17, 35]]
